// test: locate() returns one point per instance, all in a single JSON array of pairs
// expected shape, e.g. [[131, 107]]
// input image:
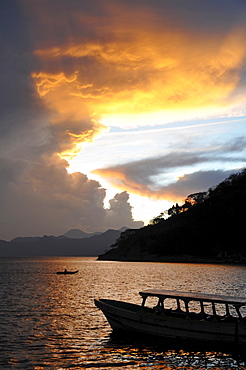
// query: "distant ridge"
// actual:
[[79, 234], [124, 228], [26, 239], [62, 245]]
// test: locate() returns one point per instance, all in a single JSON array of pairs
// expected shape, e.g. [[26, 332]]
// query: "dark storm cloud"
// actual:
[[139, 177], [37, 194], [195, 182], [45, 199]]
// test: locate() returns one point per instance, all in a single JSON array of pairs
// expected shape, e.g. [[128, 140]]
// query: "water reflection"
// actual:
[[170, 355], [50, 321]]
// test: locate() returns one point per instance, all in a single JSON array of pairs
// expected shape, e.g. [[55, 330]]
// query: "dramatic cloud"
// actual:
[[38, 195], [130, 64], [72, 69], [45, 199], [194, 182], [140, 177]]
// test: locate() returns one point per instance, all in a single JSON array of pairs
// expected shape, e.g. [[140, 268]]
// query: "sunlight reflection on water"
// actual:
[[50, 321]]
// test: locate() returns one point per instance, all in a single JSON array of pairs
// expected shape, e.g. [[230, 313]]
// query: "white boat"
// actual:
[[194, 316]]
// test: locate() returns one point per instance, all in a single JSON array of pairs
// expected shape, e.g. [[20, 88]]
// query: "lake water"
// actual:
[[49, 321]]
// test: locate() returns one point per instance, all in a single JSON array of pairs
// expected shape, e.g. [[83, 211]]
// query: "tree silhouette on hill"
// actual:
[[206, 225]]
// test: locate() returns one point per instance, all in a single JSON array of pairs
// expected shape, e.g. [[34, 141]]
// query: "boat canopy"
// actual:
[[163, 294]]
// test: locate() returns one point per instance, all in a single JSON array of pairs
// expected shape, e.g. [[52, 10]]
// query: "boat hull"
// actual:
[[133, 318]]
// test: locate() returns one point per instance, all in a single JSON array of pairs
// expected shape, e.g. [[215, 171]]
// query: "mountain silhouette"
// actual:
[[59, 246], [79, 234]]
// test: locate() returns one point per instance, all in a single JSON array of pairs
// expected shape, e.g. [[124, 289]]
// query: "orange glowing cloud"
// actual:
[[121, 180], [47, 82], [72, 122], [138, 69]]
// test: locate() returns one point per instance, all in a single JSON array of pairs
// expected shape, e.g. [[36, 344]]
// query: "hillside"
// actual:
[[207, 227]]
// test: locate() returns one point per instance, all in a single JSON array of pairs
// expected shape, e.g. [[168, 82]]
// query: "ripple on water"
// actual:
[[50, 321]]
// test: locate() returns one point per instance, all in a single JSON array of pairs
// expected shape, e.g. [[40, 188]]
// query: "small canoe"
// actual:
[[65, 272]]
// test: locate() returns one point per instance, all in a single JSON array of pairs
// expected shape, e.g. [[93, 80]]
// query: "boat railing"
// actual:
[[198, 309]]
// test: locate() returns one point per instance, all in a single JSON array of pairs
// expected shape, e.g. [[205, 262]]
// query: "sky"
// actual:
[[111, 111]]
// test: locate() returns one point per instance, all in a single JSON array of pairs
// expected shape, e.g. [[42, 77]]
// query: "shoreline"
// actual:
[[180, 259]]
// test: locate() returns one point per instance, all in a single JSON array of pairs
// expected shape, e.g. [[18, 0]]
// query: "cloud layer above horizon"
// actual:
[[71, 70]]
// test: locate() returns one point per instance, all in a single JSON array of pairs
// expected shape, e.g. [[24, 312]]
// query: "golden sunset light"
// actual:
[[168, 75], [122, 176], [156, 75], [139, 97]]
